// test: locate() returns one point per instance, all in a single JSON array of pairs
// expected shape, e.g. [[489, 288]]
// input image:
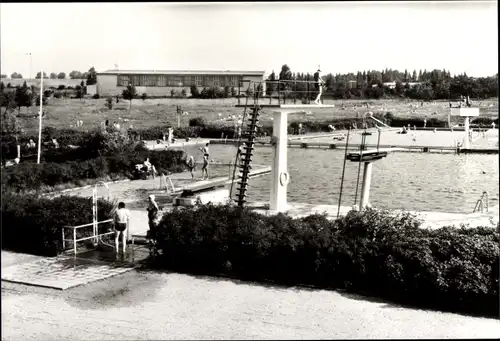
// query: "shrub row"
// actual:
[[31, 176], [374, 252], [32, 224]]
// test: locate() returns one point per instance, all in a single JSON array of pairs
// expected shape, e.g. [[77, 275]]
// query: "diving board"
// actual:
[[206, 185]]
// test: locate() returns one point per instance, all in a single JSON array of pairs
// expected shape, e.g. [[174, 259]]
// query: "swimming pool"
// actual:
[[413, 181]]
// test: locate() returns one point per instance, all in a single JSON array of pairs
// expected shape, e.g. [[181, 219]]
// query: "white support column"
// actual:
[[466, 125], [365, 189], [279, 179]]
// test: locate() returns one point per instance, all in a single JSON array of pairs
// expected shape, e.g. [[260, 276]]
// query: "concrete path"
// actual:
[[149, 306]]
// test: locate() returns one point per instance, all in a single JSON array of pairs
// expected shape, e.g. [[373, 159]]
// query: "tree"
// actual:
[[23, 96], [75, 75], [3, 76], [10, 125], [195, 93], [53, 75], [414, 77], [183, 92], [61, 75], [80, 91], [39, 74], [227, 91], [16, 75], [129, 93], [8, 99], [271, 85], [91, 76]]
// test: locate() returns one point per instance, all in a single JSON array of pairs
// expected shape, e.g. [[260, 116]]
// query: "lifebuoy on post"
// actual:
[[284, 179]]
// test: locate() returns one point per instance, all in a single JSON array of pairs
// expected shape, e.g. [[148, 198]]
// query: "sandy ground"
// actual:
[[145, 306]]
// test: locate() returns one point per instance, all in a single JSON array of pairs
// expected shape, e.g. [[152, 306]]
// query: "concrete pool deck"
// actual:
[[145, 305]]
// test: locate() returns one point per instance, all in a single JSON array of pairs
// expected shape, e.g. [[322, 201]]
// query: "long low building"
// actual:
[[160, 83]]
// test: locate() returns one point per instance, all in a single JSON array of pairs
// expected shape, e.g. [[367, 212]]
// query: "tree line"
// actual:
[[422, 85], [90, 76]]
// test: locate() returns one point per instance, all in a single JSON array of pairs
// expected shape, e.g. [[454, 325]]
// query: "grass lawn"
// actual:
[[62, 113]]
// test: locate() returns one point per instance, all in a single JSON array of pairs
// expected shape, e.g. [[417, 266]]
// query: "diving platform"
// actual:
[[286, 106]]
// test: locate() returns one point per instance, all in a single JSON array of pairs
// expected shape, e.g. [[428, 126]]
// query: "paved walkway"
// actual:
[[61, 272], [147, 306]]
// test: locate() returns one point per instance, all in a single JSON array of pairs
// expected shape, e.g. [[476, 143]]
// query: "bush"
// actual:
[[195, 93], [197, 122], [28, 177], [374, 252], [57, 95], [484, 121], [109, 103], [61, 87], [33, 225], [96, 96], [144, 96]]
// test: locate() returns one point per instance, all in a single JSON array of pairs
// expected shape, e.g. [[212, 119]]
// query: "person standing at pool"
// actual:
[[191, 165], [425, 122], [204, 169], [153, 210], [318, 84], [122, 219]]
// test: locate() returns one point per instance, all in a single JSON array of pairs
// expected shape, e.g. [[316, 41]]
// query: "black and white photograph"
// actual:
[[249, 170]]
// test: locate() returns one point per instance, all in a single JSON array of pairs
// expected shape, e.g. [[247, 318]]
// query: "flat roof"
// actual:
[[182, 72]]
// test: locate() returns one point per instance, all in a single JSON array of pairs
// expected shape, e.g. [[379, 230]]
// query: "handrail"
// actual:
[[75, 240], [480, 203]]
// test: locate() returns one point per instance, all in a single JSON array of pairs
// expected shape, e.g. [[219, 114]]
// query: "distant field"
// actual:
[[62, 113], [47, 83]]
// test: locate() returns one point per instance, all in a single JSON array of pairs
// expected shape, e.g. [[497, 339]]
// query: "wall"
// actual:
[[106, 85], [91, 89]]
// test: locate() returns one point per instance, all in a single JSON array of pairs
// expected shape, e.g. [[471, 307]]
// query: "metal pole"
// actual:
[[343, 172], [40, 119]]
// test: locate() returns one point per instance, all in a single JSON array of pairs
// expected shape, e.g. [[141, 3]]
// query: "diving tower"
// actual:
[[466, 113], [280, 177]]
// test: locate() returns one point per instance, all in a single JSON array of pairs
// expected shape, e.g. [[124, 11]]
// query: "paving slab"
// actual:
[[63, 272]]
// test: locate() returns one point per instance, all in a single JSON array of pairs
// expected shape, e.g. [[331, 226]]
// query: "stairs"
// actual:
[[246, 156]]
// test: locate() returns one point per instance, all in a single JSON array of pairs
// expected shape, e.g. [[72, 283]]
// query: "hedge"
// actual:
[[26, 176], [374, 252], [33, 225]]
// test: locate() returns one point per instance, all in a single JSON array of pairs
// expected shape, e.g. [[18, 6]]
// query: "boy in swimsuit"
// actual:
[[122, 218], [204, 169]]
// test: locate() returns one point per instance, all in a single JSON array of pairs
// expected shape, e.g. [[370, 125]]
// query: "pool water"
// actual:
[[423, 138], [412, 181]]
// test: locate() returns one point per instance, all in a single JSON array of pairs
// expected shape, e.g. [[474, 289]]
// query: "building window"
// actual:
[[123, 80], [234, 81], [189, 80], [199, 80], [174, 81]]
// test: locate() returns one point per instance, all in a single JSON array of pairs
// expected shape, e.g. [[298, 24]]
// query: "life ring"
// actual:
[[284, 179]]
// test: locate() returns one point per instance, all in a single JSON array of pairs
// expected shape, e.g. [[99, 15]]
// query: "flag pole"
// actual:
[[40, 119]]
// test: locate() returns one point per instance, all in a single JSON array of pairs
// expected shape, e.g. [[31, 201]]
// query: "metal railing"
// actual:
[[293, 90], [96, 235], [482, 203]]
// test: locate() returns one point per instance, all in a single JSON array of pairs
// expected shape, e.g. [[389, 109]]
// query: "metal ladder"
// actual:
[[246, 154], [480, 204]]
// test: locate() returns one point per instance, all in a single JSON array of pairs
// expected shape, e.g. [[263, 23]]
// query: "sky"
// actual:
[[339, 37]]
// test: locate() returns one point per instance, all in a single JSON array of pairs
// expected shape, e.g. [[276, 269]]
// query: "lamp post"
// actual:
[[31, 63], [40, 119]]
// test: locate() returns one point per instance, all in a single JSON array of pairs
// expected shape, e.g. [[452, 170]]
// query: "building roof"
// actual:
[[182, 72]]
